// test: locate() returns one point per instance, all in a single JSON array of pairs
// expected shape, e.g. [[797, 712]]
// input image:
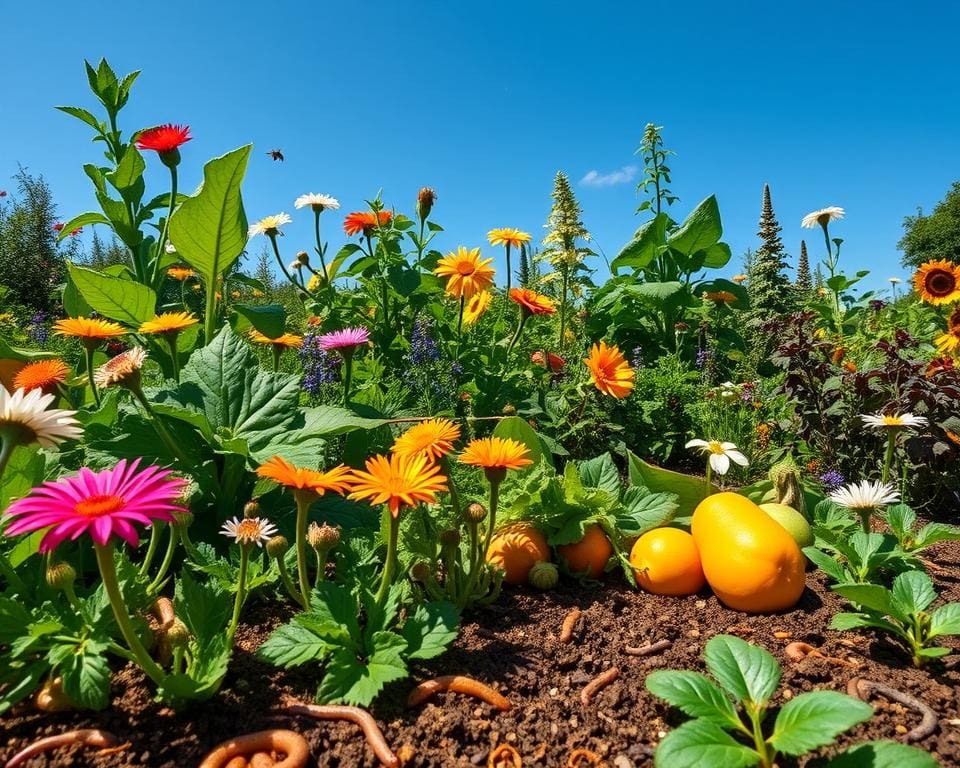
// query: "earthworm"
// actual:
[[88, 737], [237, 762], [928, 724], [648, 649], [262, 760], [582, 758], [797, 651], [597, 684], [458, 684], [357, 716], [291, 744], [566, 631], [504, 756]]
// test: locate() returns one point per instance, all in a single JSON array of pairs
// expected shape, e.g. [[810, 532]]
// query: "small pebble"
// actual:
[[554, 691], [787, 693], [511, 736], [701, 604], [900, 729], [661, 734], [694, 633], [782, 635], [480, 757], [622, 761]]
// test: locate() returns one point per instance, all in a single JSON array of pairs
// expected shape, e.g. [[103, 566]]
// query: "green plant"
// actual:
[[858, 557], [903, 522], [902, 611]]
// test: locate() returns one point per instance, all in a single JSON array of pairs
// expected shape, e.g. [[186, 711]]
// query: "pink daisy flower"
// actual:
[[346, 340], [99, 503]]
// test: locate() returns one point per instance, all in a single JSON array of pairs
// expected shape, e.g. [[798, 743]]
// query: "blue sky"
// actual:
[[848, 104]]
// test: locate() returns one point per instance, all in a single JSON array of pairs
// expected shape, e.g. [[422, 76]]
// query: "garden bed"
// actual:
[[514, 645]]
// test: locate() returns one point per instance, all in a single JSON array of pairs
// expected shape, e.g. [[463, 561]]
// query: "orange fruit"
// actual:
[[665, 561], [751, 562], [589, 556], [516, 549]]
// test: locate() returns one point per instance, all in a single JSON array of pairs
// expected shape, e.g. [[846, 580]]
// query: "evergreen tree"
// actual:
[[769, 288], [803, 282], [818, 281]]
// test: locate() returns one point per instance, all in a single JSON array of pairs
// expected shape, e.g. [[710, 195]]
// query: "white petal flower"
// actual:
[[317, 202], [26, 418], [293, 266], [865, 495], [269, 225], [720, 453], [879, 421], [250, 530], [169, 247], [119, 369], [822, 217], [894, 280]]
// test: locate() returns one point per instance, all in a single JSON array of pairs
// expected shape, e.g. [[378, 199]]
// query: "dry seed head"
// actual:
[[450, 538], [323, 537], [178, 635]]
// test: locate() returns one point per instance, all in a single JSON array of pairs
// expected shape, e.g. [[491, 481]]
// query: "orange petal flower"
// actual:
[[496, 453], [609, 370], [398, 481], [532, 302], [41, 374], [181, 273], [432, 438], [508, 236], [169, 322], [721, 297], [938, 282], [287, 341], [88, 329], [280, 470], [365, 221], [467, 274]]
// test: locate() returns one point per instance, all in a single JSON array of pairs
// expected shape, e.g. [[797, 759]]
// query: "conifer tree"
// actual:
[[818, 281], [769, 288], [803, 282]]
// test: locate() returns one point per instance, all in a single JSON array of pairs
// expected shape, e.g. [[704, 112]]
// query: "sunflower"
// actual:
[[496, 455], [609, 370], [508, 236], [169, 323], [948, 342], [432, 438], [41, 374], [286, 341], [720, 297], [365, 221], [467, 274], [938, 282], [181, 273], [398, 480], [476, 306], [90, 330], [531, 302]]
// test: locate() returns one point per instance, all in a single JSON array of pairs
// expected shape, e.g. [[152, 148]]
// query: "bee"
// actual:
[[276, 154]]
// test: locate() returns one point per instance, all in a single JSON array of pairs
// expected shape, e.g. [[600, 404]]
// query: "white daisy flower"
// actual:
[[269, 225], [122, 368], [865, 495], [317, 202], [880, 421], [822, 217], [894, 280], [721, 454], [26, 418], [250, 530]]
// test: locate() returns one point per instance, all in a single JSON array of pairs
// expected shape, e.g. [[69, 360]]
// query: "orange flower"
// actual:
[[837, 357], [938, 282], [302, 479], [720, 297], [181, 273], [41, 374], [508, 236], [497, 454], [531, 302], [287, 341], [467, 274], [476, 306], [850, 367], [739, 279], [609, 370], [432, 438], [90, 330], [556, 362], [398, 481], [169, 323], [365, 221]]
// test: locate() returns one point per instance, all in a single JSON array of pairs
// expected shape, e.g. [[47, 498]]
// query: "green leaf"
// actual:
[[329, 420], [14, 617], [644, 246], [25, 469], [815, 719], [333, 614], [350, 681], [600, 472], [694, 694], [204, 608], [86, 676], [292, 644], [21, 681], [717, 255], [845, 621], [82, 114], [932, 533], [700, 230], [643, 510], [129, 170], [703, 744], [125, 301], [747, 672], [655, 293], [883, 754], [689, 490], [269, 319], [825, 563], [871, 596], [82, 220], [209, 229], [515, 428], [431, 629], [901, 519], [912, 592], [945, 620]]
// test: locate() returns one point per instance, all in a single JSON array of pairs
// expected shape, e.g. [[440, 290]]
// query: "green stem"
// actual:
[[166, 562], [277, 351], [516, 338], [316, 231], [347, 374], [508, 269], [709, 476], [463, 304], [108, 575], [188, 546], [7, 446], [174, 355], [303, 507], [766, 758], [151, 548], [276, 252], [288, 582], [494, 498], [241, 590], [93, 384], [888, 458], [390, 566], [162, 245]]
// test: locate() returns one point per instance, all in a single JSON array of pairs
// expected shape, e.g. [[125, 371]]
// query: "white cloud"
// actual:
[[596, 179]]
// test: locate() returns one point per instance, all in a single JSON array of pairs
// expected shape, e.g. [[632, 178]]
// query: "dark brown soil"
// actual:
[[514, 646]]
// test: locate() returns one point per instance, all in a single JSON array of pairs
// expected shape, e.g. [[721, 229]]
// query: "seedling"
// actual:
[[858, 559], [902, 521]]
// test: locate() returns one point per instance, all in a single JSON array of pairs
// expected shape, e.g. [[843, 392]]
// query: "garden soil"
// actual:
[[515, 647]]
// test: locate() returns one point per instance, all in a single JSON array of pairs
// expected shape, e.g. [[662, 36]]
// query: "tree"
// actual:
[[803, 283], [769, 288], [936, 236]]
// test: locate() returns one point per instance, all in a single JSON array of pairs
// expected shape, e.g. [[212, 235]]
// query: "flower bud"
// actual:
[[277, 546], [509, 410], [450, 538], [61, 576], [177, 634], [425, 201], [420, 571], [303, 257], [323, 537], [251, 509], [544, 575], [170, 157], [182, 518], [475, 513]]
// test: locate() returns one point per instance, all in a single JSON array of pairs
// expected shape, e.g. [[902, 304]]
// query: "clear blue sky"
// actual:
[[846, 103]]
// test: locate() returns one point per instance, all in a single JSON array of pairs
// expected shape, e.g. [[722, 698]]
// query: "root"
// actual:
[[928, 724], [257, 748], [797, 652], [647, 650], [582, 758], [598, 683], [566, 630], [354, 715], [458, 684], [87, 737], [504, 756]]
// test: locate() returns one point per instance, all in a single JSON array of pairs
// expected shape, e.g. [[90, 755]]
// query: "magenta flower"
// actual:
[[99, 503], [346, 340]]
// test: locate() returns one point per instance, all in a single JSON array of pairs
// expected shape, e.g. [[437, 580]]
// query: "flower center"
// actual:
[[941, 283], [715, 447], [465, 268], [892, 421], [248, 530], [101, 504]]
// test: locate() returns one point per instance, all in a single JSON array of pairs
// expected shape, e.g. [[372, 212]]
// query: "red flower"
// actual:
[[3, 193], [58, 227], [364, 221], [556, 362], [164, 138], [75, 232]]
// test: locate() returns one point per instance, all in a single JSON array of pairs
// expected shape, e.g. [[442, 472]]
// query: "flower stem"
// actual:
[[277, 351], [463, 304], [347, 374], [7, 446], [391, 564], [888, 458], [508, 269], [93, 384], [316, 231], [515, 339], [174, 355], [166, 562], [241, 590], [162, 244], [494, 498], [303, 507], [283, 267], [151, 549], [288, 582], [108, 574]]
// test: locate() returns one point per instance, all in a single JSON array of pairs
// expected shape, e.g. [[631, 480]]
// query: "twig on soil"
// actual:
[[88, 737], [582, 758], [798, 651], [648, 649], [862, 689], [598, 683], [252, 745], [504, 756], [458, 684], [566, 630], [355, 715]]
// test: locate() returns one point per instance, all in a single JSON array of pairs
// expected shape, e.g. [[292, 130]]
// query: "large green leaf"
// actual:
[[209, 229], [600, 472], [694, 694], [913, 592], [269, 319], [431, 628], [700, 230], [883, 754], [82, 220], [748, 672], [291, 644], [703, 744], [515, 428], [644, 246], [24, 470], [125, 301], [655, 293], [689, 490], [815, 719]]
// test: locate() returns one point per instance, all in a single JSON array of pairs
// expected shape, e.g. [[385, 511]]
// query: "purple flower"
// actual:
[[831, 479], [319, 366], [345, 340], [876, 305], [423, 348], [636, 358], [704, 356]]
